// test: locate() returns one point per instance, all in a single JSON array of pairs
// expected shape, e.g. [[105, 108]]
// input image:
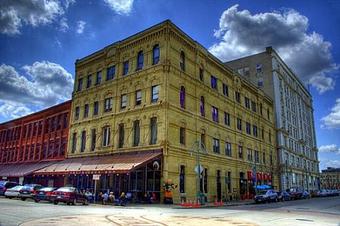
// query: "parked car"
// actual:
[[44, 194], [295, 193], [315, 193], [334, 193], [69, 195], [13, 192], [266, 196], [28, 191], [324, 193], [4, 185], [305, 195], [283, 196]]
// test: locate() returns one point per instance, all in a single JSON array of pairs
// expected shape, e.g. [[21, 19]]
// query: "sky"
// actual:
[[40, 41]]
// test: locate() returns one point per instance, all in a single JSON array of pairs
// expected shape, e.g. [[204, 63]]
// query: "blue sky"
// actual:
[[40, 41]]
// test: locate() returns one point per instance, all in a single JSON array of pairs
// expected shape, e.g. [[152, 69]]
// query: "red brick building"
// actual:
[[33, 142]]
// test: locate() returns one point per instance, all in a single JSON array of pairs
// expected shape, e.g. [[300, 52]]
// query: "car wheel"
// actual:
[[74, 202], [68, 203], [55, 203], [23, 199], [36, 200], [86, 202]]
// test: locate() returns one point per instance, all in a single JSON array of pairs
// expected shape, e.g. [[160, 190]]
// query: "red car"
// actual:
[[69, 195]]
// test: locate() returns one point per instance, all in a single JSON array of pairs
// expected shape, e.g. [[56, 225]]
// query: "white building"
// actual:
[[297, 150]]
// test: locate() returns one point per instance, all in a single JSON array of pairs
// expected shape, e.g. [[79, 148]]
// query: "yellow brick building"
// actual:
[[161, 90]]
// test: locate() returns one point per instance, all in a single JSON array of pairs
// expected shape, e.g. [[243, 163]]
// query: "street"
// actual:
[[317, 211]]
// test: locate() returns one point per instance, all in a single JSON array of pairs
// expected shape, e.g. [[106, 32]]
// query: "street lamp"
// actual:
[[198, 148]]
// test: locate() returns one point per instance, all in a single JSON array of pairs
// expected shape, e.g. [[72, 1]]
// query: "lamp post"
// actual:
[[198, 148]]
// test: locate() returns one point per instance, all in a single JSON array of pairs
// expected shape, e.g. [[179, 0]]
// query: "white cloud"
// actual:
[[80, 26], [43, 84], [120, 6], [15, 14], [241, 33], [332, 120], [331, 148], [63, 25], [324, 163], [13, 110]]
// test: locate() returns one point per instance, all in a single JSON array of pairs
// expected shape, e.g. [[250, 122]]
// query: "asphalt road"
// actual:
[[318, 211]]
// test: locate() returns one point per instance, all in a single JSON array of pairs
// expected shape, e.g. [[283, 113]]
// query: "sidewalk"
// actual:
[[214, 205]]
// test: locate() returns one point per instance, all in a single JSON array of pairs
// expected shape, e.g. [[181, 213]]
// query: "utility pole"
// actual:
[[198, 148]]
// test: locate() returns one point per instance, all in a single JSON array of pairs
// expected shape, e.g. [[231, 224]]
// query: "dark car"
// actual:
[[295, 193], [4, 185], [44, 194], [266, 196], [28, 191], [283, 196], [69, 195]]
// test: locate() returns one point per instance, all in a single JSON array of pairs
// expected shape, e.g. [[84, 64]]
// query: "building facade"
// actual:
[[163, 98], [33, 142], [330, 178], [297, 149]]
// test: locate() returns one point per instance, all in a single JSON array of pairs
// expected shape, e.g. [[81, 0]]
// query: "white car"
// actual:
[[13, 192]]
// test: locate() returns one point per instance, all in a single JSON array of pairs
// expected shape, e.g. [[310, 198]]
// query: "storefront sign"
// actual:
[[96, 176]]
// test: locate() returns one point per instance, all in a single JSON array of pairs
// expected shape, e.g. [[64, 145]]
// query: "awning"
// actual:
[[22, 169], [116, 163]]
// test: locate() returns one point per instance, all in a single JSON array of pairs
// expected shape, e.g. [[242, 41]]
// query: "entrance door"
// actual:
[[219, 185]]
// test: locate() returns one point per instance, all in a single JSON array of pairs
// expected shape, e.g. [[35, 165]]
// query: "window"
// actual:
[[249, 155], [95, 108], [255, 130], [248, 130], [214, 111], [238, 97], [213, 80], [108, 104], [182, 97], [182, 61], [202, 110], [264, 158], [123, 101], [246, 102], [239, 124], [86, 110], [125, 67], [99, 77], [153, 130], [240, 152], [154, 93], [182, 179], [257, 157], [262, 133], [121, 135], [136, 133], [138, 97], [155, 54], [203, 140], [76, 113], [80, 84], [226, 119], [74, 142], [182, 135], [228, 149], [261, 108], [110, 73], [106, 136], [216, 145], [270, 136], [229, 182], [268, 114], [140, 60], [201, 74], [83, 141], [89, 81], [253, 106], [225, 90], [271, 159], [93, 139]]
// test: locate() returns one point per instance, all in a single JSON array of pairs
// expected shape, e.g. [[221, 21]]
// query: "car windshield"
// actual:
[[16, 188], [47, 189], [66, 189], [263, 192], [2, 182]]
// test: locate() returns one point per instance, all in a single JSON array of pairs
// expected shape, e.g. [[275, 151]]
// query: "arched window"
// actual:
[[182, 97], [202, 106], [182, 61], [155, 54], [140, 60]]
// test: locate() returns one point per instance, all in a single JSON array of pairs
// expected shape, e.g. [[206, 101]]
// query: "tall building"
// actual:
[[330, 178], [158, 108], [33, 142], [297, 150]]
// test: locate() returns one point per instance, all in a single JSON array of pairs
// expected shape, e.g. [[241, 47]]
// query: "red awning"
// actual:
[[22, 169], [116, 163]]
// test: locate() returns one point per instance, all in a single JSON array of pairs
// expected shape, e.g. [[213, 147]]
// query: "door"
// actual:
[[218, 185]]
